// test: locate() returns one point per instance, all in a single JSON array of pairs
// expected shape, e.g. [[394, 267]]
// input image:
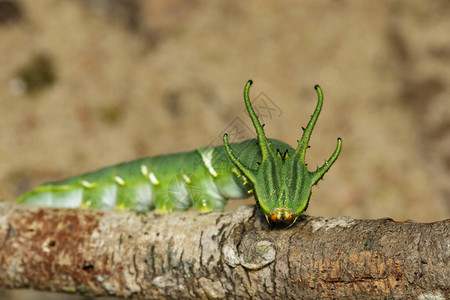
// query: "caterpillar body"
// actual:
[[205, 178]]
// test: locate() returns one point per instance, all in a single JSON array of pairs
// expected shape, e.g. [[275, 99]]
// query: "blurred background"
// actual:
[[87, 84]]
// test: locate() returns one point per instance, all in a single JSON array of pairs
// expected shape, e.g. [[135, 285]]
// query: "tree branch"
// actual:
[[217, 255]]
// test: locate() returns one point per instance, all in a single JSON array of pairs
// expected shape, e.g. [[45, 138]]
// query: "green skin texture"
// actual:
[[205, 178]]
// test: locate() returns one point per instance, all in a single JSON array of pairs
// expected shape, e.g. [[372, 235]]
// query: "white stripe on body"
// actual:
[[206, 153], [179, 191], [153, 178]]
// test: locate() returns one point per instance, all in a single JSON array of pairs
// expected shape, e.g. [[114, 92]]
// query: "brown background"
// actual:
[[117, 80], [86, 84]]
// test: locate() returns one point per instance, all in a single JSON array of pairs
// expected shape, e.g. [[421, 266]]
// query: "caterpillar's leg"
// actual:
[[102, 197], [136, 197], [172, 195], [206, 196], [233, 185]]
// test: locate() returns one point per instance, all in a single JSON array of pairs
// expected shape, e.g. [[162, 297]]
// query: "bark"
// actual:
[[220, 255]]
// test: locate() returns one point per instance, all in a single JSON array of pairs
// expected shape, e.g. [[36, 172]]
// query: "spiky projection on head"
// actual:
[[282, 183]]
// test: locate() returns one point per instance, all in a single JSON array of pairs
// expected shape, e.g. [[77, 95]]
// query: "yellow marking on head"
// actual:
[[281, 215], [250, 191]]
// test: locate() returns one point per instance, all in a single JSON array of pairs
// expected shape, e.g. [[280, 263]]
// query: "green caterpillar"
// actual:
[[205, 178]]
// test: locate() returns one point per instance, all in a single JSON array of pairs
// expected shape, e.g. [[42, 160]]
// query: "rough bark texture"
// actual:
[[220, 255]]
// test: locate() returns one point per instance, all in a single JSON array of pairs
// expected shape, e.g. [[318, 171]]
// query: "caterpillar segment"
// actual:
[[271, 170], [203, 178]]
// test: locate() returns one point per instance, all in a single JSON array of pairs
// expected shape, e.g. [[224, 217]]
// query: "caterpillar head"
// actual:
[[282, 183]]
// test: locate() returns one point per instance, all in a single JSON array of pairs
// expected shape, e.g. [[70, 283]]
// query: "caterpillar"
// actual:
[[274, 172]]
